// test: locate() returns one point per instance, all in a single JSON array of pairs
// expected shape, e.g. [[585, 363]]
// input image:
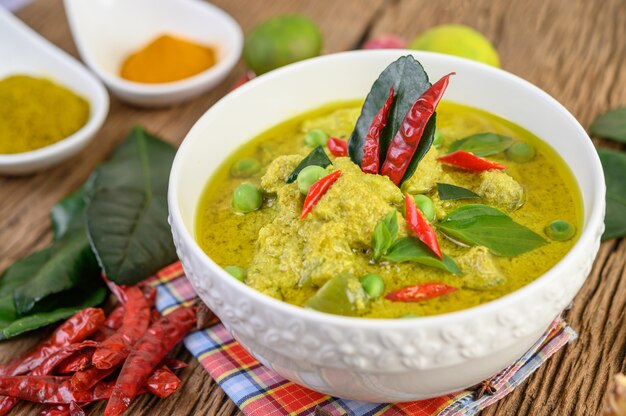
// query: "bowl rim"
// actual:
[[587, 237]]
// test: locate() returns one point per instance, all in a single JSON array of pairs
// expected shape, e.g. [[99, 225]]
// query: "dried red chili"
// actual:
[[371, 149], [55, 410], [55, 359], [163, 382], [85, 379], [174, 364], [409, 134], [76, 362], [317, 191], [468, 161], [115, 319], [76, 410], [418, 293], [337, 147], [417, 222]]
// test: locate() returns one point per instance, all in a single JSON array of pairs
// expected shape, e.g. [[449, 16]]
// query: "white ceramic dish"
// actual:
[[107, 31], [23, 51], [369, 359]]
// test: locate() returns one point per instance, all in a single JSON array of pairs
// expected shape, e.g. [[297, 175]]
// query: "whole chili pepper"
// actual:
[[163, 382], [147, 353], [55, 359], [418, 293], [371, 149], [85, 379], [114, 349], [317, 191], [468, 161], [409, 134], [417, 222], [76, 362], [337, 147]]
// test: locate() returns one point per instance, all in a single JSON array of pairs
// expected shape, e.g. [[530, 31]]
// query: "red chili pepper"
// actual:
[[174, 364], [55, 410], [317, 191], [163, 382], [55, 359], [420, 226], [247, 77], [409, 134], [115, 319], [155, 315], [145, 356], [468, 161], [76, 410], [102, 333], [85, 379], [337, 147], [418, 293], [371, 149], [76, 362]]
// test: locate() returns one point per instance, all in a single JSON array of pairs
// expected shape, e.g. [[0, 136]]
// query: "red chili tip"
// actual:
[[421, 292], [418, 223], [470, 162], [317, 191]]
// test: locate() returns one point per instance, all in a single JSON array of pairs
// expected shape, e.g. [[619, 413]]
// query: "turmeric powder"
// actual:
[[167, 59]]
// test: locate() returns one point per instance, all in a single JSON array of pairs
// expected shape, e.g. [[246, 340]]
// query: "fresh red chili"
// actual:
[[337, 147], [417, 222], [163, 382], [371, 149], [421, 292], [145, 356], [409, 134], [468, 161], [317, 191], [76, 362]]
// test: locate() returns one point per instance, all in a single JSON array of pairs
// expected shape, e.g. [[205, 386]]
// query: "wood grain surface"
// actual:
[[573, 49]]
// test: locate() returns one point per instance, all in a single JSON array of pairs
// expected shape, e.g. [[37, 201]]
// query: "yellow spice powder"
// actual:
[[167, 59], [36, 112]]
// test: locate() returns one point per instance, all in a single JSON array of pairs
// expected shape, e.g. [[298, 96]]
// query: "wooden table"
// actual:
[[575, 50]]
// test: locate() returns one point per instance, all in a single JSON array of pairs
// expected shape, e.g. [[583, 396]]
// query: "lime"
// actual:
[[457, 40], [280, 41]]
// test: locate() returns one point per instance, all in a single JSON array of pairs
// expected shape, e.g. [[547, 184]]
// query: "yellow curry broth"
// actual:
[[549, 193]]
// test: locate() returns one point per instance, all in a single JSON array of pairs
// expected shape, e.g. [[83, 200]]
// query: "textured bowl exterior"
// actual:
[[368, 359]]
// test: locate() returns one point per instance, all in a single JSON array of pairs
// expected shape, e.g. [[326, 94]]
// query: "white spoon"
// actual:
[[107, 31], [24, 52]]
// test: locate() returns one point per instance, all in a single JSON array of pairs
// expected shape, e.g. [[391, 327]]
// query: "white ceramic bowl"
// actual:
[[369, 359], [24, 52], [107, 31]]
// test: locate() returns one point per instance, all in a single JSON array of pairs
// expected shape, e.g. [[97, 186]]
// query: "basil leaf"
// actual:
[[614, 166], [381, 240], [482, 225], [391, 222], [317, 157], [412, 249], [611, 125], [448, 192], [483, 144]]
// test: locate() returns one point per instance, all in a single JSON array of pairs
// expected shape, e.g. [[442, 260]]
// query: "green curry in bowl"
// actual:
[[302, 216]]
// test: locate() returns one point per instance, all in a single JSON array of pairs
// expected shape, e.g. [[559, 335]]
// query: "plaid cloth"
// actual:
[[260, 391]]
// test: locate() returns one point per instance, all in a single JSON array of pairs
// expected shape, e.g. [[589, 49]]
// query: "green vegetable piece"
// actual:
[[521, 152], [245, 168], [611, 125], [560, 230], [317, 157], [315, 137], [385, 233], [308, 176], [373, 285], [426, 205], [449, 192], [237, 272], [483, 144], [410, 316], [482, 225], [437, 139], [64, 212], [247, 198], [614, 166], [412, 249], [338, 296], [280, 41]]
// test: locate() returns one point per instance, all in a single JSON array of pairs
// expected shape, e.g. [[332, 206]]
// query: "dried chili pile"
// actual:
[[91, 357]]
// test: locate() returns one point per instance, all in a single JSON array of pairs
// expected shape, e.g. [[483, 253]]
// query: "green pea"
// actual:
[[560, 230], [437, 139], [237, 272], [308, 176], [426, 205], [245, 168], [247, 198], [373, 285], [410, 316], [315, 137], [521, 152]]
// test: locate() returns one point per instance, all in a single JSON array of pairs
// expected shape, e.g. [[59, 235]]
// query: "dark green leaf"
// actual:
[[317, 157], [483, 144], [614, 165], [481, 225], [409, 82], [66, 211], [412, 249], [447, 192], [126, 213], [611, 125]]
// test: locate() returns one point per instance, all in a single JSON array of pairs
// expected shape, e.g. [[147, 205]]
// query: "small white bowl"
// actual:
[[381, 360], [24, 52], [107, 31]]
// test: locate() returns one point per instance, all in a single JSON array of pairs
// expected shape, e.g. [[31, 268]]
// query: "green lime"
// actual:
[[280, 41], [457, 40]]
